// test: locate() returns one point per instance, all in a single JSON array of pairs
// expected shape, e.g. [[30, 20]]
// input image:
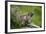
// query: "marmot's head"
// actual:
[[30, 14]]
